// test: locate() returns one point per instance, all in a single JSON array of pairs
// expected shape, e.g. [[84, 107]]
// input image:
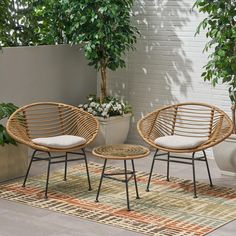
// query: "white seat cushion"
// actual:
[[179, 142], [61, 141]]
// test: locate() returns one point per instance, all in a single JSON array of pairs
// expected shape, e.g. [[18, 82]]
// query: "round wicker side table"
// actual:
[[121, 152]]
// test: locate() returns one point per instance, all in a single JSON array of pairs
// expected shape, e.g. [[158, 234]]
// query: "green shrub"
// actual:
[[6, 109]]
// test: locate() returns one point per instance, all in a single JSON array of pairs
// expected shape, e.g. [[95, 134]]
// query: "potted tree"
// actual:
[[13, 157], [220, 26], [105, 30]]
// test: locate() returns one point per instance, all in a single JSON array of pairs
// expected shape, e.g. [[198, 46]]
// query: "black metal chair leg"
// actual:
[[87, 169], [126, 185], [65, 173], [168, 167], [100, 184], [135, 180], [208, 169], [150, 174], [194, 180], [48, 172], [27, 173]]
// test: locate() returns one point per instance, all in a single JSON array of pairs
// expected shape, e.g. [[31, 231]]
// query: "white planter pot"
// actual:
[[13, 161], [225, 155], [113, 130]]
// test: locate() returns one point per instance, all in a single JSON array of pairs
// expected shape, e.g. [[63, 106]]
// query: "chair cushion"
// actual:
[[179, 142], [61, 141]]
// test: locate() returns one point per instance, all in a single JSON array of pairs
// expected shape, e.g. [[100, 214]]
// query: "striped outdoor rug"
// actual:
[[167, 210]]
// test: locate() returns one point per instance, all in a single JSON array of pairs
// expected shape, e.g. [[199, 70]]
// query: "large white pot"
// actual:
[[225, 155], [13, 161], [113, 130]]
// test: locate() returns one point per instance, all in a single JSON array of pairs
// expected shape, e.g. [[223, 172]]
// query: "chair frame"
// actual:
[[50, 158], [214, 138], [22, 136]]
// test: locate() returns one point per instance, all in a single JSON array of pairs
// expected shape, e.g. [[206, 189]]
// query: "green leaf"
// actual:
[[220, 27]]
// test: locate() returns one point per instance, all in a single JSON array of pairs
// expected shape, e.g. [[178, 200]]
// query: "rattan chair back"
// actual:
[[50, 119], [186, 119]]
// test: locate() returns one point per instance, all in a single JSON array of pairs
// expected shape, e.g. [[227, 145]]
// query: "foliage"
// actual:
[[32, 22], [111, 106], [220, 26], [17, 23], [6, 109], [104, 28], [52, 22]]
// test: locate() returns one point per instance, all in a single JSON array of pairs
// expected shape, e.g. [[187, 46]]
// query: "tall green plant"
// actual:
[[104, 28], [220, 26]]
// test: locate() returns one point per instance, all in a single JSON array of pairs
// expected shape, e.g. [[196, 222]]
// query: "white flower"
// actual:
[[94, 113], [104, 114], [90, 110], [90, 99], [119, 107], [108, 106], [92, 104], [85, 106]]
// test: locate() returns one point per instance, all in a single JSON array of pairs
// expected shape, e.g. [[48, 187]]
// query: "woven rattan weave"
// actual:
[[51, 119], [186, 119], [121, 151]]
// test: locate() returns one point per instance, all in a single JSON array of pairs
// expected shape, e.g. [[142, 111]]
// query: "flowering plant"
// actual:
[[111, 106]]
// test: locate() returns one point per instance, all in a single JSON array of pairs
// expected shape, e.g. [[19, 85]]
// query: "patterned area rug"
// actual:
[[167, 210]]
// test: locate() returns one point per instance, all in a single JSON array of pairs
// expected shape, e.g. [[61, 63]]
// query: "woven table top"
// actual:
[[121, 151]]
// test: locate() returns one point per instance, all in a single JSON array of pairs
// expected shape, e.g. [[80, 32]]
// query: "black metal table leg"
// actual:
[[168, 167], [102, 175], [87, 169], [65, 173], [48, 172], [194, 180], [135, 180], [126, 185], [208, 169], [150, 174], [27, 173]]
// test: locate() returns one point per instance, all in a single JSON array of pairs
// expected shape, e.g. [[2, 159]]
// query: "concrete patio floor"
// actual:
[[18, 219]]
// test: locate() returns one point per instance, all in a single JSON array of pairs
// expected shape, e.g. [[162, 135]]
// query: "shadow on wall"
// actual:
[[159, 71]]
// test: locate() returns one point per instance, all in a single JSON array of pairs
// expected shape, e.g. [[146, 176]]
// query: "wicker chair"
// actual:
[[36, 123], [184, 128]]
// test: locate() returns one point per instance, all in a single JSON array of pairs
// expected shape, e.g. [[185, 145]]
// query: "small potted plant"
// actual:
[[220, 26], [13, 157], [114, 117]]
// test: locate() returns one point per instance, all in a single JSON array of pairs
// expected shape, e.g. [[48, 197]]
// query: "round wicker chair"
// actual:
[[48, 120], [184, 128]]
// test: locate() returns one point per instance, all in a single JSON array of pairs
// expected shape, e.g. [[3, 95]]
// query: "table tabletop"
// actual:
[[121, 151]]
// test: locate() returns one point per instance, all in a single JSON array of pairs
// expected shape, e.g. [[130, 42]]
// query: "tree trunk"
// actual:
[[103, 88]]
